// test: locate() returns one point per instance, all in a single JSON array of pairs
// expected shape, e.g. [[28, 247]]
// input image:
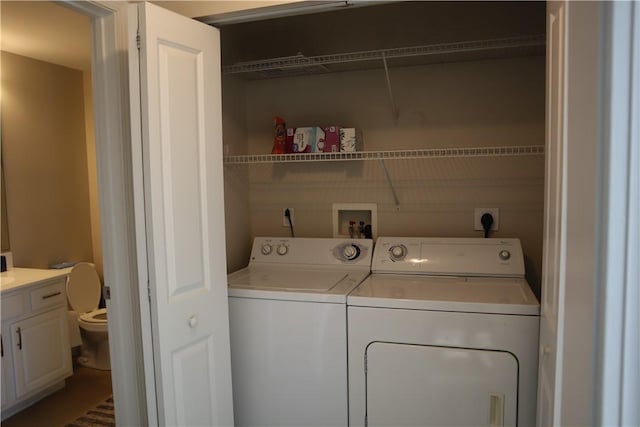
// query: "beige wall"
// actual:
[[477, 103], [236, 181], [45, 162]]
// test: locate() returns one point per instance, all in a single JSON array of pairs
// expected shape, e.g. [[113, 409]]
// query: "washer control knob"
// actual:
[[351, 252], [504, 254], [397, 252], [266, 249], [282, 249]]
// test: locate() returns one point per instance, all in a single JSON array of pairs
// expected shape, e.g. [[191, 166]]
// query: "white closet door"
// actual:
[[180, 94], [554, 239]]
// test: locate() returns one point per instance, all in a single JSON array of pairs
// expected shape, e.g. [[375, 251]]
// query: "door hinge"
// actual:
[[106, 292], [138, 38], [149, 291]]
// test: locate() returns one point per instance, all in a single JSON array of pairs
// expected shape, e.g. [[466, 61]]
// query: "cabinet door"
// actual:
[[41, 352]]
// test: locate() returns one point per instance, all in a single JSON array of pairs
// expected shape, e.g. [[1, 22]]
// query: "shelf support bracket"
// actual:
[[393, 190], [394, 109]]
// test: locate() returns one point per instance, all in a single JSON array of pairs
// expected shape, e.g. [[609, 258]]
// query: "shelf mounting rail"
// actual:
[[394, 108]]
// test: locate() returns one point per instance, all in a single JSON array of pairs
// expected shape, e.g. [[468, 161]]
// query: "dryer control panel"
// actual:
[[312, 251], [449, 256]]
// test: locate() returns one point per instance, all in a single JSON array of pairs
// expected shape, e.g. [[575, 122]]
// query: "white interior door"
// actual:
[[180, 108], [554, 239]]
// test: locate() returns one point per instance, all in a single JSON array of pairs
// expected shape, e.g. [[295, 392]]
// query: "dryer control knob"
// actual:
[[351, 252], [504, 255], [397, 252], [282, 250], [266, 249]]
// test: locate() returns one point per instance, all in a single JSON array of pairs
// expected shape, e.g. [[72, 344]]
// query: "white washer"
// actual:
[[443, 333], [288, 325]]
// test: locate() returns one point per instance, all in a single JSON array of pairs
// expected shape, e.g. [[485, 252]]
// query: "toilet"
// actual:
[[83, 293]]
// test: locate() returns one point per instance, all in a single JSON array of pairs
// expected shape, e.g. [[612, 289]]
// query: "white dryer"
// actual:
[[443, 333], [288, 330]]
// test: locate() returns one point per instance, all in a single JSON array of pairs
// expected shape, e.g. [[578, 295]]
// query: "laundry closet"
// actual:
[[448, 100]]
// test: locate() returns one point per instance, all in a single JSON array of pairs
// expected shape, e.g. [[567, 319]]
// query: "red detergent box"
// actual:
[[331, 143]]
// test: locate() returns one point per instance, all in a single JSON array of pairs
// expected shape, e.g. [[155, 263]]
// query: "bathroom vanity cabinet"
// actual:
[[36, 353]]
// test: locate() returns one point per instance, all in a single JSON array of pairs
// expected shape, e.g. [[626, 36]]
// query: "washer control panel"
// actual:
[[312, 251], [449, 256]]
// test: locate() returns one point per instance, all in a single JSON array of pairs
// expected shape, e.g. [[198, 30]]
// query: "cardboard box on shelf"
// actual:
[[306, 139], [348, 141], [331, 139]]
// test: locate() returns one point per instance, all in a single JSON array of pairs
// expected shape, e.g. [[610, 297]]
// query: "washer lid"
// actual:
[[289, 283], [83, 288], [461, 294]]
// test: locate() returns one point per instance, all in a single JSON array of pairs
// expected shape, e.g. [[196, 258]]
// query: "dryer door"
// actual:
[[411, 385]]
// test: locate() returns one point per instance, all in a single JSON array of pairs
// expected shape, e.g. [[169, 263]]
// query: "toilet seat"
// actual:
[[96, 317], [87, 323], [83, 288]]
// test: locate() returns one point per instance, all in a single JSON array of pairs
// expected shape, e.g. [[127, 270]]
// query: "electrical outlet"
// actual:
[[495, 212], [285, 220]]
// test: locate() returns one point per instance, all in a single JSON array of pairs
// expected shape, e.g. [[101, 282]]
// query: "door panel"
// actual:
[[411, 385], [189, 364], [180, 98], [182, 146]]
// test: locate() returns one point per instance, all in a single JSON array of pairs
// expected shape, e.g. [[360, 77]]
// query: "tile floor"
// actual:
[[84, 389]]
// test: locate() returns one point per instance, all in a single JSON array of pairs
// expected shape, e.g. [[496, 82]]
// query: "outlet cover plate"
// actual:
[[285, 221], [478, 212]]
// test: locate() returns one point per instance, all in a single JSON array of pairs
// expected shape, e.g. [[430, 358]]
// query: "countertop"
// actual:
[[18, 277]]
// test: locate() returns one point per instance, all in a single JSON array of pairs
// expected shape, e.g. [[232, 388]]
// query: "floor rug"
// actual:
[[100, 416]]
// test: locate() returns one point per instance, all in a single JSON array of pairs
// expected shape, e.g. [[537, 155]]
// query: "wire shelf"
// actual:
[[430, 153], [318, 62]]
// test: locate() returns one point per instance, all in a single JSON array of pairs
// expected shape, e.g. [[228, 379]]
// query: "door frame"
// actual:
[[129, 325], [617, 370]]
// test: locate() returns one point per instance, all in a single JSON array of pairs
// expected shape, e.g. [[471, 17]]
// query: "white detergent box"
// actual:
[[306, 139], [348, 140]]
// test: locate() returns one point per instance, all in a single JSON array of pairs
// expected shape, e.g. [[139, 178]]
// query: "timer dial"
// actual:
[[351, 252], [282, 250], [397, 252]]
